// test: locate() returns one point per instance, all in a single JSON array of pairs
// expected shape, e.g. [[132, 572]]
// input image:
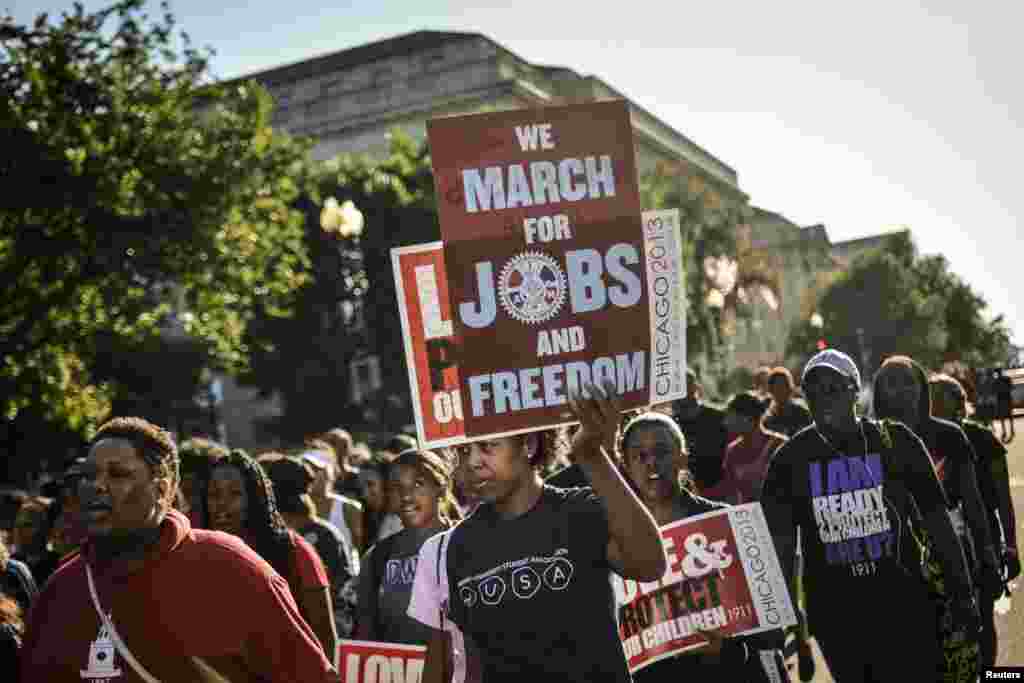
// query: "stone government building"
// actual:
[[349, 101]]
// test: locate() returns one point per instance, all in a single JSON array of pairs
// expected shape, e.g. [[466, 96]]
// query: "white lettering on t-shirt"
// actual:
[[527, 576]]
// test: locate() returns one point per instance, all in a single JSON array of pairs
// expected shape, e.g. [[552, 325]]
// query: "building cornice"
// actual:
[[396, 46]]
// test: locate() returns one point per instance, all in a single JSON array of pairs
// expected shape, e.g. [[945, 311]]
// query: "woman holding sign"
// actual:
[[528, 571], [654, 459]]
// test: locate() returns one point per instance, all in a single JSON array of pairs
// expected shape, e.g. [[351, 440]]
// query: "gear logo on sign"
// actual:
[[532, 287]]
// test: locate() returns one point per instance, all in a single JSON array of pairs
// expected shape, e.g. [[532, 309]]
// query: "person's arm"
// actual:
[[438, 665], [314, 597], [923, 484], [429, 592], [1000, 472], [330, 549], [977, 519], [354, 519], [776, 498], [635, 549], [315, 605], [281, 646]]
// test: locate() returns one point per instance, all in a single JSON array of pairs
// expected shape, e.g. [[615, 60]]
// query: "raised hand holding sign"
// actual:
[[597, 409]]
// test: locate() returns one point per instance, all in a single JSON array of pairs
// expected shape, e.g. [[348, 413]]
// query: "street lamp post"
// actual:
[[345, 222]]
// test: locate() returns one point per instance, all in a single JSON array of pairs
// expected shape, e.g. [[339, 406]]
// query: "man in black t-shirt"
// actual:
[[851, 489], [706, 435]]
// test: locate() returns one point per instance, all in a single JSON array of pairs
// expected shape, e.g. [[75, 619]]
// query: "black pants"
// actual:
[[987, 640], [894, 642]]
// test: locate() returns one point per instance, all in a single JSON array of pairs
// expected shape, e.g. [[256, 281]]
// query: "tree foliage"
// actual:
[[347, 305], [893, 301], [711, 224], [132, 184]]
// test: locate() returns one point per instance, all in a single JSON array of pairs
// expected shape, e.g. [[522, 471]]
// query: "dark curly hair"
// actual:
[[154, 444], [749, 404], [265, 529]]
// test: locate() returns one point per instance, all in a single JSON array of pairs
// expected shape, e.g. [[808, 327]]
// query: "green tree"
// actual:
[[892, 301], [139, 198], [972, 338], [347, 306], [711, 220]]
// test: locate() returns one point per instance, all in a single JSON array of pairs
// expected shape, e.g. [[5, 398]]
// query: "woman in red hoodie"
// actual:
[[151, 599]]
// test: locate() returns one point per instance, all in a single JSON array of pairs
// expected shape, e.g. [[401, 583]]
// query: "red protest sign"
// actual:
[[432, 352], [545, 256], [723, 576], [365, 661]]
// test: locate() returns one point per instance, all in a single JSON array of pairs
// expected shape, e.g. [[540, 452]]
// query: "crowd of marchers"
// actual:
[[150, 560]]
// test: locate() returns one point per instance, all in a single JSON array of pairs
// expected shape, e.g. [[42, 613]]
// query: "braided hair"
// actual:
[[266, 531]]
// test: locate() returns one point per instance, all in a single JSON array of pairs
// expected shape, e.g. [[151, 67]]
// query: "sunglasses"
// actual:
[[829, 390]]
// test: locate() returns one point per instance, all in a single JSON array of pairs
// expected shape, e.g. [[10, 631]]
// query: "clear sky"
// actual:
[[863, 116]]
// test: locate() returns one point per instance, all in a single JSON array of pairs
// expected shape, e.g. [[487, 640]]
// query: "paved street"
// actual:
[[1010, 626]]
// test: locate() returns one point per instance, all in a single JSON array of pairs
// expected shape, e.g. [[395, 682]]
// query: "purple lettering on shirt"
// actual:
[[838, 476], [814, 474]]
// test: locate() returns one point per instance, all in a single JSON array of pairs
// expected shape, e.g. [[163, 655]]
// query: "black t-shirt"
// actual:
[[534, 592], [568, 478], [852, 510], [990, 464], [328, 543], [950, 452], [788, 419], [706, 439], [348, 485], [385, 587], [1004, 390]]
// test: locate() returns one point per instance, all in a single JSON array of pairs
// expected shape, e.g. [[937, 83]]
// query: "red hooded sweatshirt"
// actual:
[[197, 595]]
